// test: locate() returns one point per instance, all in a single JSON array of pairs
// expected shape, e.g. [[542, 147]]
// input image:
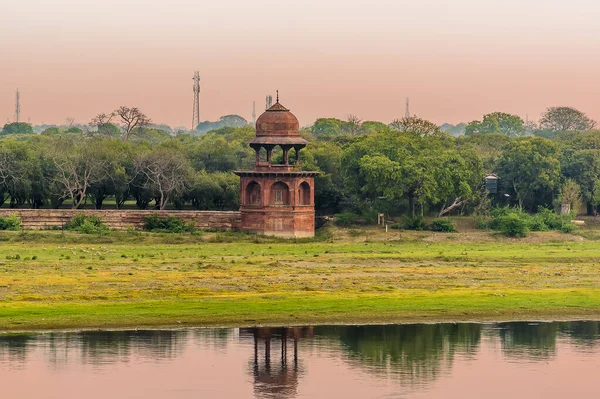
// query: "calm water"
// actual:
[[506, 360]]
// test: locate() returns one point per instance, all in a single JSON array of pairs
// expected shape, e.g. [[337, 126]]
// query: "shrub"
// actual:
[[170, 224], [482, 222], [443, 224], [345, 219], [568, 227], [513, 225], [537, 222], [397, 226], [415, 223], [12, 222], [86, 224]]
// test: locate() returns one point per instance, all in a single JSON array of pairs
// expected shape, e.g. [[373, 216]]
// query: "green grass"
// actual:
[[51, 280]]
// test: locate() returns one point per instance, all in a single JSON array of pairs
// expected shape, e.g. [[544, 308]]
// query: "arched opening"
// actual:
[[280, 194], [304, 193], [253, 193], [262, 154], [277, 156]]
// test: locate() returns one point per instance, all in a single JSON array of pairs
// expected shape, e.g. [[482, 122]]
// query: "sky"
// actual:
[[456, 60]]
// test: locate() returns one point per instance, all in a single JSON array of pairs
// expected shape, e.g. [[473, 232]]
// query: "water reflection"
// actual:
[[273, 375], [282, 362]]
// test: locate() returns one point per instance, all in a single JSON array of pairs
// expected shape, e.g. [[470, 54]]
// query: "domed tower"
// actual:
[[277, 198]]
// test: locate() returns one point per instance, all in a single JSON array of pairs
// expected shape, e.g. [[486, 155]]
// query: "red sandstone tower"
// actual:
[[277, 198]]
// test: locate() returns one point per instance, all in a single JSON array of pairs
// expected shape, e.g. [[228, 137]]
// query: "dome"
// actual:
[[278, 125], [277, 121]]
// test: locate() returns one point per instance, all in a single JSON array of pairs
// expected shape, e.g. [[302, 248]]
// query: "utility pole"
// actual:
[[17, 107], [407, 110], [254, 112], [196, 109], [269, 101]]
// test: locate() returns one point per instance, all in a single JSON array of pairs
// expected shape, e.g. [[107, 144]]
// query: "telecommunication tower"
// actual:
[[407, 110], [17, 106], [254, 112], [196, 110], [269, 101]]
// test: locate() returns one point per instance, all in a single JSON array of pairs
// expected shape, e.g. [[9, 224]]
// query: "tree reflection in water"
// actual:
[[416, 354], [411, 354]]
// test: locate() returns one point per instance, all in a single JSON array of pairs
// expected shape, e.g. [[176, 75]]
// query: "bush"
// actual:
[[170, 224], [415, 223], [86, 224], [443, 225], [345, 219], [537, 222], [482, 222], [513, 225], [12, 222], [568, 227]]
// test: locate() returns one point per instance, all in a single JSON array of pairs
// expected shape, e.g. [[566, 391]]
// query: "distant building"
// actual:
[[276, 197]]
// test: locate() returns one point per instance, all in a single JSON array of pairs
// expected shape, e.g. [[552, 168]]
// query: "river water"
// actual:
[[503, 360]]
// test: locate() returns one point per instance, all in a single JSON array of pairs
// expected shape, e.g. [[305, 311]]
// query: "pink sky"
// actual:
[[456, 60]]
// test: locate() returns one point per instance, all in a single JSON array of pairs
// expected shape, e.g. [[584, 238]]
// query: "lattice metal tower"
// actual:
[[269, 101], [254, 112], [407, 110], [17, 107], [196, 110]]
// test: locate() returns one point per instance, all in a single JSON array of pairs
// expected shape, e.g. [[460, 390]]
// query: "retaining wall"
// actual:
[[37, 219]]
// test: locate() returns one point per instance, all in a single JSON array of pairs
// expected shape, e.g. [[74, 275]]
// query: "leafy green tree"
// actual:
[[51, 131], [17, 128], [531, 170], [327, 128], [497, 123]]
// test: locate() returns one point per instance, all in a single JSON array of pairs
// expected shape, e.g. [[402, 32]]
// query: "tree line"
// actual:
[[409, 166]]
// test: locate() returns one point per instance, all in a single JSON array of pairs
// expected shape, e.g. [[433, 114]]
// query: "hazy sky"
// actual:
[[456, 60]]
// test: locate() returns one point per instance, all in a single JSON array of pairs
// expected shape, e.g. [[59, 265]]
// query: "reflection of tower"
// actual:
[[273, 376], [196, 110], [269, 102], [17, 106], [407, 110], [254, 113]]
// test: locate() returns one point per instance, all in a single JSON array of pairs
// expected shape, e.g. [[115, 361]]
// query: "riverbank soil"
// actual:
[[56, 280]]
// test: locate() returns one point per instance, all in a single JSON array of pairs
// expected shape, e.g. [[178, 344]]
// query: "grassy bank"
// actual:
[[68, 280]]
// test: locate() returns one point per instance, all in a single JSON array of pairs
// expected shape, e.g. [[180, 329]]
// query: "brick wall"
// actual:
[[36, 219]]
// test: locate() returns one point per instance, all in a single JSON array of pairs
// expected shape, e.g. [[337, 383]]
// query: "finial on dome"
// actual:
[[277, 96]]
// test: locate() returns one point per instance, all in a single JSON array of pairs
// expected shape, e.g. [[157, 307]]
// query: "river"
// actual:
[[501, 360]]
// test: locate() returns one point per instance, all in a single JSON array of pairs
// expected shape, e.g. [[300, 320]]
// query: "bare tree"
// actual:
[[76, 167], [131, 118], [102, 122], [563, 119], [416, 125], [353, 124], [165, 171], [70, 121]]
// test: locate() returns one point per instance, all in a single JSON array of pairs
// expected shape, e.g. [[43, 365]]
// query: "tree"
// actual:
[[353, 125], [131, 118], [569, 196], [104, 126], [416, 125], [327, 128], [583, 167], [17, 128], [77, 164], [497, 122], [531, 169], [165, 171], [562, 119]]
